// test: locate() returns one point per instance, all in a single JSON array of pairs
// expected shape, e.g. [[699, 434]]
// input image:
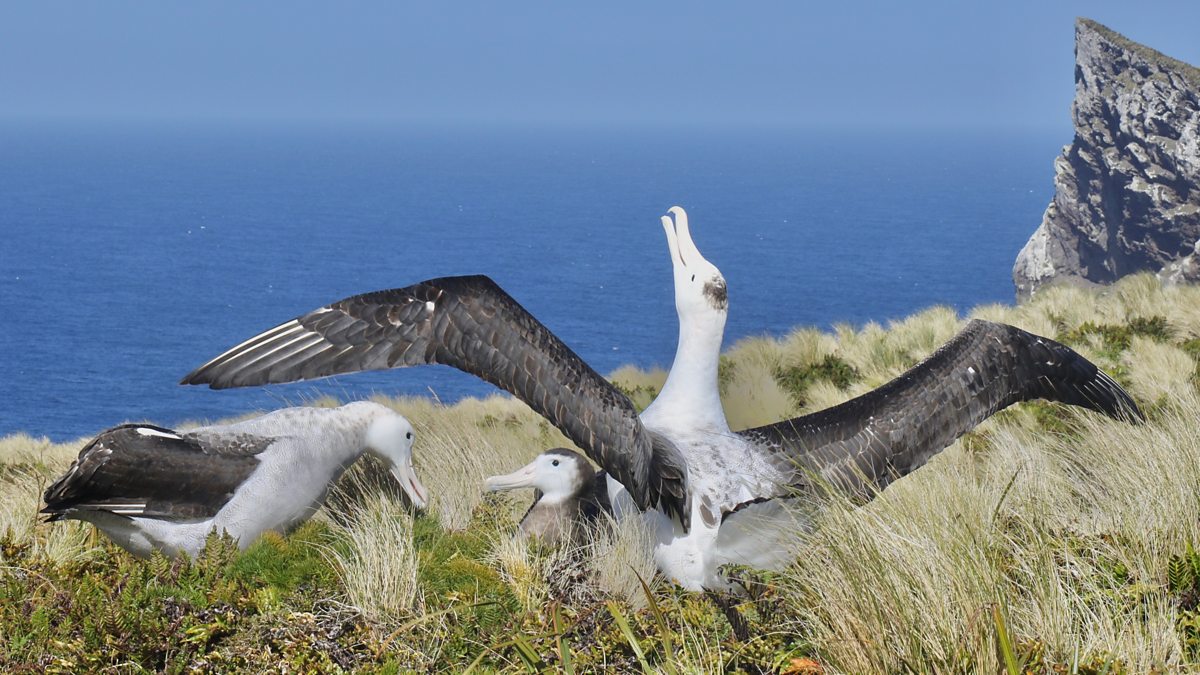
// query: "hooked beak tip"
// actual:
[[412, 487]]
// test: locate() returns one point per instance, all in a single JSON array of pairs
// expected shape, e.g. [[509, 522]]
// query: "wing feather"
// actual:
[[152, 472], [866, 442], [471, 324]]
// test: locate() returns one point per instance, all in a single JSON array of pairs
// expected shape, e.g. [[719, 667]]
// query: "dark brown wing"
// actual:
[[469, 323], [151, 472], [869, 441], [597, 504]]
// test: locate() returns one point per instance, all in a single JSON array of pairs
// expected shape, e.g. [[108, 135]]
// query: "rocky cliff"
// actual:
[[1127, 189]]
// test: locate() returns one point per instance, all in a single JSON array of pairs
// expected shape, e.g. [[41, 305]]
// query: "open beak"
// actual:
[[412, 487], [521, 478], [687, 248], [679, 237], [672, 241]]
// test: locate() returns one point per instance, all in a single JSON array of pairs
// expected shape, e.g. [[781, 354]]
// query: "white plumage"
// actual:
[[150, 489]]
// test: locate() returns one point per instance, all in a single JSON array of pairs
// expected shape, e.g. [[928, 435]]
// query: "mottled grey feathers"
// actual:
[[717, 293]]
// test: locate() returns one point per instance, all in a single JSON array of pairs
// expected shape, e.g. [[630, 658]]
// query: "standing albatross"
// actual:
[[150, 488], [711, 495]]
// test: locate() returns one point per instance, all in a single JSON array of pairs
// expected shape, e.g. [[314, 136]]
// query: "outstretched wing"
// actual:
[[151, 472], [469, 323], [868, 441]]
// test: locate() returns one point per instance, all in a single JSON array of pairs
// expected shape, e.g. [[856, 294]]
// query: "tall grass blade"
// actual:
[[623, 624], [664, 630], [564, 649], [1004, 643], [406, 627], [528, 654], [524, 649]]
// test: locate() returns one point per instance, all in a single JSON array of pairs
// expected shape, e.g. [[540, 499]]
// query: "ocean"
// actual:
[[129, 254]]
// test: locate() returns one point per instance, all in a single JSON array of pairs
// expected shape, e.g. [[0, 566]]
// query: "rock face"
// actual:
[[1127, 189]]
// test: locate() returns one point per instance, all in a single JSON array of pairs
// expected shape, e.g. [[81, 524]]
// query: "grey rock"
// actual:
[[1127, 188], [1186, 270]]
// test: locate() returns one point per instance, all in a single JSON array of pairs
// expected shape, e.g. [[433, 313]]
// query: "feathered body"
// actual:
[[571, 495], [711, 495], [150, 488]]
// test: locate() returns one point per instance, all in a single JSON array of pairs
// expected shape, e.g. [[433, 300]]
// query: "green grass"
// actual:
[[1047, 541]]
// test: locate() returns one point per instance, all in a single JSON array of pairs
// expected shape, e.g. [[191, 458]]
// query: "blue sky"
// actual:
[[902, 64]]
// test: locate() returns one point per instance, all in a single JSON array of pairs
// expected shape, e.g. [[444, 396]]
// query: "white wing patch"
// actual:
[[146, 431], [129, 509]]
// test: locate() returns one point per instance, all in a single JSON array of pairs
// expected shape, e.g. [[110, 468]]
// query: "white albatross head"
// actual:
[[700, 289], [559, 473], [390, 438]]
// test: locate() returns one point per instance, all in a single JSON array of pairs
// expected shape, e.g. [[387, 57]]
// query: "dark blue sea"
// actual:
[[130, 254]]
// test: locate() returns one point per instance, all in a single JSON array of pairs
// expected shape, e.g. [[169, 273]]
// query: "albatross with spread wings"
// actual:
[[712, 495]]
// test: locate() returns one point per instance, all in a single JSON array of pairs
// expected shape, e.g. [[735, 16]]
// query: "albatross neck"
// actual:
[[690, 395]]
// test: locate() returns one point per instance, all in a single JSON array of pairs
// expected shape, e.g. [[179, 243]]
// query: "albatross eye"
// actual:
[[408, 435], [693, 277], [555, 462]]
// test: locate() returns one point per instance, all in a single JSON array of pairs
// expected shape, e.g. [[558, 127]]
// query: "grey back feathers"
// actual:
[[471, 324], [866, 442], [151, 472]]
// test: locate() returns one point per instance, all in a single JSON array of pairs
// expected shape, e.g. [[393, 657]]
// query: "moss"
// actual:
[[641, 396], [797, 379], [452, 577], [162, 614], [285, 564], [1118, 337]]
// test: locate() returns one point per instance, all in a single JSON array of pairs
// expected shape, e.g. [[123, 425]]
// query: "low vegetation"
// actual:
[[1048, 540]]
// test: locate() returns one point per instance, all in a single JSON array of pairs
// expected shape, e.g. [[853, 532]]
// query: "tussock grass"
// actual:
[[455, 452], [1158, 371], [377, 561], [621, 558], [1066, 533], [27, 466], [751, 391]]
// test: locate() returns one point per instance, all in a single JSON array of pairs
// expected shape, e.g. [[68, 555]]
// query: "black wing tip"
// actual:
[[201, 378], [1098, 392], [54, 513], [214, 377], [668, 480], [1116, 402]]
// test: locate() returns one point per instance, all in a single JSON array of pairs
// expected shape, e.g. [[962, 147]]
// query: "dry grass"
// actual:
[[1064, 522], [621, 558], [455, 452], [1158, 371], [378, 564], [750, 391], [1071, 534], [27, 465]]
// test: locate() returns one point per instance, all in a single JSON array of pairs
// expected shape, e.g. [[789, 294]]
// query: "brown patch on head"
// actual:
[[717, 293]]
